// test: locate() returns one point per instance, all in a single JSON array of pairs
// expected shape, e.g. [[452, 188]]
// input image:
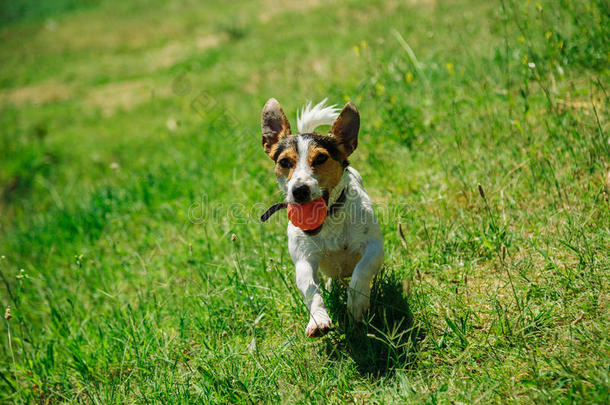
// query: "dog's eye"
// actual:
[[285, 163], [321, 158]]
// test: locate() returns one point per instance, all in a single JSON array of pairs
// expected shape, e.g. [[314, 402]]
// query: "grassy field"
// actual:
[[135, 268]]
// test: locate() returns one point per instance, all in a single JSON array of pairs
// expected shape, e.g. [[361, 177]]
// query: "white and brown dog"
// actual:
[[308, 166]]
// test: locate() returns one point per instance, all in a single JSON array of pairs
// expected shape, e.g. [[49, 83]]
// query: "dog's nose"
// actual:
[[301, 194]]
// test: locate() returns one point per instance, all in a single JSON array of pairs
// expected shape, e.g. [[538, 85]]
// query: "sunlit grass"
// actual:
[[132, 177]]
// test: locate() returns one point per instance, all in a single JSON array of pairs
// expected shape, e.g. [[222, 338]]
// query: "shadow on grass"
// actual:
[[386, 340]]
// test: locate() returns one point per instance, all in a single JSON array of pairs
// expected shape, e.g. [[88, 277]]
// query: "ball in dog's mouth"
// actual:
[[307, 216]]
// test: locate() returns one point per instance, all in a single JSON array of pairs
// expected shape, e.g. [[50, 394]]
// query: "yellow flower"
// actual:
[[377, 124], [363, 44], [521, 39], [524, 60], [380, 88], [450, 68], [357, 50], [548, 34], [409, 77], [345, 98]]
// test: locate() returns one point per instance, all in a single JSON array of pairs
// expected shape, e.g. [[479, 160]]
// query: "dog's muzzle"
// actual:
[[330, 211]]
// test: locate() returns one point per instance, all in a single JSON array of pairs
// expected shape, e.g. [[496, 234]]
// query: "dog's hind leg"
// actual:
[[307, 281]]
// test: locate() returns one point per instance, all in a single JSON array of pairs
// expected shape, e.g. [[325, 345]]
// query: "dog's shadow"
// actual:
[[386, 340]]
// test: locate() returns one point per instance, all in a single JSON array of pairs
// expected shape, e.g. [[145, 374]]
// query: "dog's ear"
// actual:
[[274, 125], [345, 129]]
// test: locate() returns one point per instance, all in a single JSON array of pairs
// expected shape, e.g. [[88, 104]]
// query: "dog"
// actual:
[[310, 166]]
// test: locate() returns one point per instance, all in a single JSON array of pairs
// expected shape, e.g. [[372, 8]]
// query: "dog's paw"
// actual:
[[358, 302], [319, 324]]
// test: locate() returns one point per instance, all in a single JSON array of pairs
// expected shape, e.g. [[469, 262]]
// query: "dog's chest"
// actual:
[[340, 263], [341, 247]]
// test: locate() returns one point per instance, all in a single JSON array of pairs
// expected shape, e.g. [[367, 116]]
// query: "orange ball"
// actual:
[[307, 216]]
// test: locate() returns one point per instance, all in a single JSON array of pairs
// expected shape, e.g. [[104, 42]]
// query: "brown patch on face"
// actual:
[[288, 155], [327, 171]]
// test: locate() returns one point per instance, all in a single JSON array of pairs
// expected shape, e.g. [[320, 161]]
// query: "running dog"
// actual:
[[332, 225]]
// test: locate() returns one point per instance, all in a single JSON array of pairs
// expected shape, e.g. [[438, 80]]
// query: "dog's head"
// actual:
[[308, 165]]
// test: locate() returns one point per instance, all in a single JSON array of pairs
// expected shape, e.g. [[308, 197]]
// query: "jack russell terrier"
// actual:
[[332, 225]]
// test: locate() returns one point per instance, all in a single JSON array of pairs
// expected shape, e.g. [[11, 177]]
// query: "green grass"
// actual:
[[130, 154]]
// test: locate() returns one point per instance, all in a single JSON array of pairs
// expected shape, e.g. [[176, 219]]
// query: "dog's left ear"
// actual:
[[274, 125], [346, 127]]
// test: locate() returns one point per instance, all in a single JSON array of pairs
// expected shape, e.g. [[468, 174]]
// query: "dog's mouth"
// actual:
[[299, 208], [315, 231], [308, 216]]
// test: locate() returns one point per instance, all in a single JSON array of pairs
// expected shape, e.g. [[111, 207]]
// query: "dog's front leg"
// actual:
[[358, 295], [307, 282]]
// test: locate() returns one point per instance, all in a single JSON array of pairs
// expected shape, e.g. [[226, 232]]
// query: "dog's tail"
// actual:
[[309, 118]]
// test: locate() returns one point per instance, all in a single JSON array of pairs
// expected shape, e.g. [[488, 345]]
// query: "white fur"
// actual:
[[349, 244], [303, 175], [310, 117]]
